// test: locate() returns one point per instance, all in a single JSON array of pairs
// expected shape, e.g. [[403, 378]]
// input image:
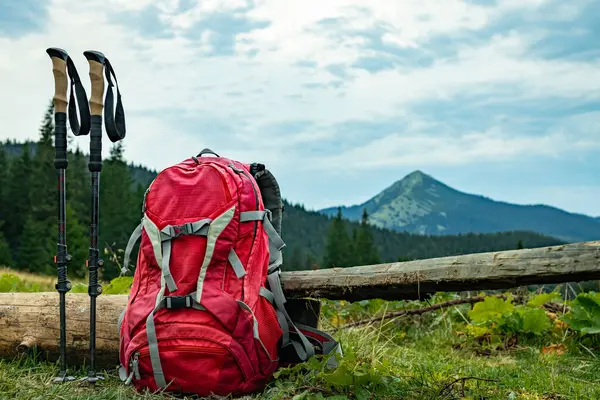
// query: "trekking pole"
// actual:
[[115, 127], [60, 63], [96, 63]]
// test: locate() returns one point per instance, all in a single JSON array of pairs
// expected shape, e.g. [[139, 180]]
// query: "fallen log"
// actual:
[[29, 323], [481, 271], [30, 320]]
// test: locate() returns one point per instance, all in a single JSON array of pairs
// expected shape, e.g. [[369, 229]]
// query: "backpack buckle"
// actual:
[[185, 229], [178, 301]]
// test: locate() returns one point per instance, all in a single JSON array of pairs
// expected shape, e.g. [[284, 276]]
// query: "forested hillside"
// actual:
[[28, 218]]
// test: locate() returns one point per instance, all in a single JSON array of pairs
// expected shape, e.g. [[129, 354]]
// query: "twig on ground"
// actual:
[[557, 308], [417, 311], [462, 380], [554, 307]]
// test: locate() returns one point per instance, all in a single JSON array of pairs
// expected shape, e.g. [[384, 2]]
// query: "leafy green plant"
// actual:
[[354, 374], [120, 285], [500, 316], [526, 320], [584, 315]]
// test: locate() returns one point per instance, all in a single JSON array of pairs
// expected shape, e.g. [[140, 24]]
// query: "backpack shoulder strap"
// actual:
[[295, 336]]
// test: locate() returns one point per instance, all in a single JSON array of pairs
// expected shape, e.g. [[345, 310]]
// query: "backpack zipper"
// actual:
[[223, 181], [187, 349]]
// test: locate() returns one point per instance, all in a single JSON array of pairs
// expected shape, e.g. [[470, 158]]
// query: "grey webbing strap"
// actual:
[[157, 370], [285, 328], [308, 349], [120, 321], [199, 227], [246, 216], [273, 235], [169, 232], [276, 244], [267, 294], [167, 302], [265, 217], [305, 349], [166, 270], [122, 373], [235, 262], [137, 233]]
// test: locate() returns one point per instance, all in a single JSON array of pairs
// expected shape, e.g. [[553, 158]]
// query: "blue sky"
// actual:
[[339, 98]]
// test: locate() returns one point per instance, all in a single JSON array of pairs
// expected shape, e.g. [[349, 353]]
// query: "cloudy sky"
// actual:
[[340, 98]]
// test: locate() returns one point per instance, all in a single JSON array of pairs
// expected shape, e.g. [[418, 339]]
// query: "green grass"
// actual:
[[433, 356], [379, 364]]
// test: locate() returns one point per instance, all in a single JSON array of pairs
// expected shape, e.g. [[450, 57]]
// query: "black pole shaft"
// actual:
[[62, 268], [94, 261], [62, 257]]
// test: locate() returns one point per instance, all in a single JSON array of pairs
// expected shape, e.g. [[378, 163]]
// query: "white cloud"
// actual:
[[174, 73], [428, 150]]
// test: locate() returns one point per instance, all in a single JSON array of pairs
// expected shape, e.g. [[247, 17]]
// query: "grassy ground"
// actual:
[[428, 368], [418, 357]]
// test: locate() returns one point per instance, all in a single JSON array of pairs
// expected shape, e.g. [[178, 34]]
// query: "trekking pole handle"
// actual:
[[59, 70], [96, 61]]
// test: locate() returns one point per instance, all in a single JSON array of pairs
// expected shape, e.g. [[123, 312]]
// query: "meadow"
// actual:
[[520, 345]]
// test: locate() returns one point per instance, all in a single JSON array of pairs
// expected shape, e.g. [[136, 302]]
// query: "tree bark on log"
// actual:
[[29, 320], [481, 271]]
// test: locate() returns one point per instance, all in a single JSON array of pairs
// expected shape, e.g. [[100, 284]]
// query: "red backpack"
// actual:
[[206, 311]]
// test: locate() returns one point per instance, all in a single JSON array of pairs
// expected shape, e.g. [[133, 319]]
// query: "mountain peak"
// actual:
[[416, 176], [414, 179]]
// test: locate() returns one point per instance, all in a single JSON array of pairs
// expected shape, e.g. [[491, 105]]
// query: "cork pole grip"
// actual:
[[59, 70], [97, 80]]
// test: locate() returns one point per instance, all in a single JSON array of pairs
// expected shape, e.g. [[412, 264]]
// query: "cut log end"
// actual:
[[28, 343]]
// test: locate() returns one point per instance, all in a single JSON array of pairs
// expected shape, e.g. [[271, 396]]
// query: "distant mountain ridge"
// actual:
[[419, 203], [305, 231]]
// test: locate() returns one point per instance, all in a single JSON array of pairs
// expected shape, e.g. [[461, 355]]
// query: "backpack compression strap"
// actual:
[[302, 346], [272, 222]]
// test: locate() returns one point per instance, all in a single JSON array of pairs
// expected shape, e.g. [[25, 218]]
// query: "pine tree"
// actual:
[[520, 244], [118, 212], [77, 243], [78, 186], [4, 182], [33, 253], [310, 261], [18, 195], [294, 261], [43, 187], [365, 250], [6, 259], [338, 251]]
